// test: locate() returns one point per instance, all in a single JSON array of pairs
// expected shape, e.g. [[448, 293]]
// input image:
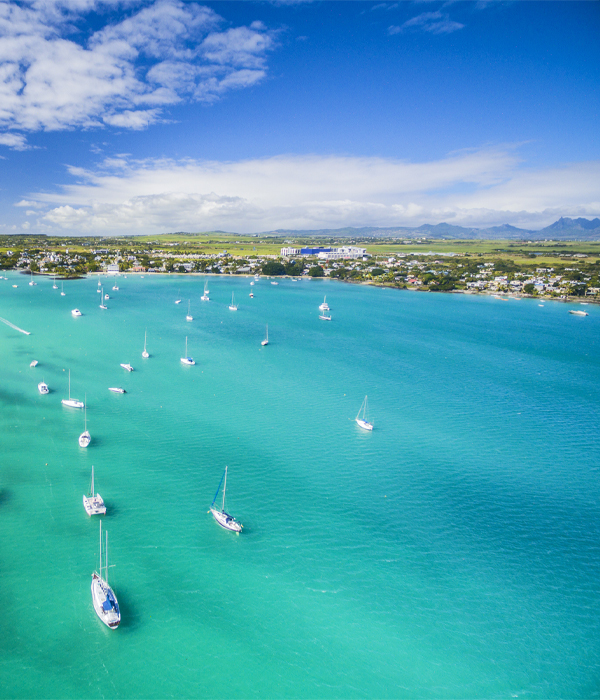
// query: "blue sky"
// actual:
[[125, 117]]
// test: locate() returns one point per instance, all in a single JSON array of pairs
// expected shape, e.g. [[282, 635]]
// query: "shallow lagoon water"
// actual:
[[452, 553]]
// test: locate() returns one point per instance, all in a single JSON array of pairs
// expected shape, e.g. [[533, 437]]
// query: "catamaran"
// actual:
[[266, 340], [221, 516], [324, 306], [72, 403], [93, 503], [102, 304], [85, 438], [145, 353], [189, 317], [43, 388], [233, 305], [362, 415], [103, 597], [187, 360]]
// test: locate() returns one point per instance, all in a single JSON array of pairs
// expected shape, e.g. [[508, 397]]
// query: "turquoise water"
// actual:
[[452, 553]]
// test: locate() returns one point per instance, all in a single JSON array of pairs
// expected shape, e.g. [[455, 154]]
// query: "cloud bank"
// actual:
[[52, 77], [472, 188]]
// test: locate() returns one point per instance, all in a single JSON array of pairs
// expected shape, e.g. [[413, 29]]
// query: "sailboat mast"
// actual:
[[224, 487], [92, 489], [106, 558], [69, 383], [100, 571]]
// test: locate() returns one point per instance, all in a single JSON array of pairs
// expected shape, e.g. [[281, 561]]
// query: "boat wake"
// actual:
[[12, 325]]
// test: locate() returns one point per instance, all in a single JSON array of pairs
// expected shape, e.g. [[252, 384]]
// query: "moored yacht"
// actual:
[[85, 438], [72, 403], [185, 359], [324, 306], [43, 388], [361, 416], [233, 305], [76, 312], [33, 363], [93, 503], [103, 597], [116, 389], [578, 313], [127, 366], [221, 516]]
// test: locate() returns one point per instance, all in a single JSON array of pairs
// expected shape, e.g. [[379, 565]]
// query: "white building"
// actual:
[[344, 253], [287, 252]]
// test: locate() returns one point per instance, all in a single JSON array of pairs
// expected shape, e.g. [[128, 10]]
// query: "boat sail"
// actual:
[[266, 340], [362, 416], [73, 403], [85, 438], [233, 305], [93, 503], [221, 516], [103, 597], [145, 353]]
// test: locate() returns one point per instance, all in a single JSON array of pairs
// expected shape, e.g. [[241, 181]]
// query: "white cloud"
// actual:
[[432, 22], [16, 141], [126, 73], [472, 188]]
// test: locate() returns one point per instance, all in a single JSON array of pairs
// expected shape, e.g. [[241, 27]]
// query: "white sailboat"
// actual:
[[221, 516], [32, 283], [54, 285], [204, 297], [85, 438], [43, 388], [266, 340], [62, 289], [178, 300], [145, 353], [72, 403], [189, 317], [325, 317], [76, 312], [362, 416], [106, 296], [185, 359], [93, 503], [115, 288], [33, 363], [102, 304], [233, 305], [324, 306], [103, 597]]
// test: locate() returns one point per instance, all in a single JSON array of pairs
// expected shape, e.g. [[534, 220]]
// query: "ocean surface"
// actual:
[[454, 552]]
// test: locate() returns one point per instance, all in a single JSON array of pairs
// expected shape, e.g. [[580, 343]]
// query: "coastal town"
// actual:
[[559, 272]]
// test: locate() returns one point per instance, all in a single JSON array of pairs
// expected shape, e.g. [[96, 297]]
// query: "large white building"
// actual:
[[288, 252], [344, 253]]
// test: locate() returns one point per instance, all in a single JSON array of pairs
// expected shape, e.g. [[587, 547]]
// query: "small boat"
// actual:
[[98, 291], [116, 390], [361, 416], [15, 285], [578, 313], [32, 283], [276, 283], [266, 340], [99, 283], [43, 388], [93, 503], [541, 305], [54, 286], [233, 305], [178, 300], [33, 363], [324, 306], [85, 438], [251, 295], [324, 317], [189, 317], [62, 289], [185, 359], [145, 353], [102, 304], [72, 403], [103, 597], [221, 516], [106, 296], [127, 366], [76, 312], [204, 297], [115, 288], [252, 283]]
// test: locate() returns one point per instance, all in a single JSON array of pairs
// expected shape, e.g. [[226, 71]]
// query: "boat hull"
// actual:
[[72, 403], [43, 388], [365, 425], [116, 389], [84, 439], [226, 521], [94, 505], [105, 602]]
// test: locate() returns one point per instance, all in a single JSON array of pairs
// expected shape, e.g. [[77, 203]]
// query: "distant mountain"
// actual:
[[563, 229]]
